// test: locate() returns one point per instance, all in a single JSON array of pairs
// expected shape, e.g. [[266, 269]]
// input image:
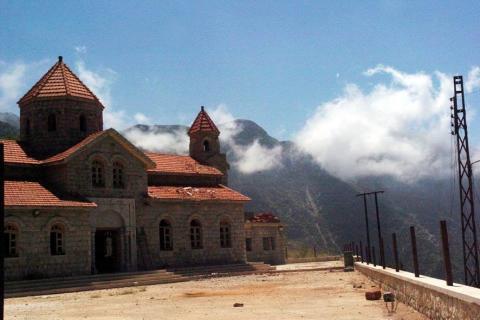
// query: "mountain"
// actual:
[[322, 210], [9, 125]]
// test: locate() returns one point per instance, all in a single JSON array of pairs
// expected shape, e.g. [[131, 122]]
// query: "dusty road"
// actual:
[[297, 295]]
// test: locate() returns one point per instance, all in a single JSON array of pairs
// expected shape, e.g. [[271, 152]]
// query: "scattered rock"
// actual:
[[373, 294], [236, 305]]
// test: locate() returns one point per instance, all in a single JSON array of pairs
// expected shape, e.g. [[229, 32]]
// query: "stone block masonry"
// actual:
[[429, 296]]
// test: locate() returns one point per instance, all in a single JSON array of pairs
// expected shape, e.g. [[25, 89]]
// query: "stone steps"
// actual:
[[132, 279]]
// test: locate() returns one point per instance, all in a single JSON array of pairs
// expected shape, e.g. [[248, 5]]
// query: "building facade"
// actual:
[[80, 199], [265, 238]]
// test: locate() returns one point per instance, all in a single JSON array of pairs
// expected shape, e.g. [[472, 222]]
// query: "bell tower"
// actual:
[[58, 112], [205, 144]]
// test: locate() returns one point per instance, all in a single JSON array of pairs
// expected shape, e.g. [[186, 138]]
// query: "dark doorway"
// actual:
[[107, 251]]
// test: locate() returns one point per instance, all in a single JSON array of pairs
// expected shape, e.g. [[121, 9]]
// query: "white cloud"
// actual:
[[12, 80], [100, 83], [225, 122], [16, 78], [166, 142], [255, 157], [80, 49], [141, 118], [250, 158], [400, 128], [473, 79]]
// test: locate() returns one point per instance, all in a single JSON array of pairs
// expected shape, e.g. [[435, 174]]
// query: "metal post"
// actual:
[[2, 227], [366, 224], [378, 226], [361, 252], [356, 252], [382, 254], [374, 258], [446, 253], [367, 253], [395, 252], [414, 251]]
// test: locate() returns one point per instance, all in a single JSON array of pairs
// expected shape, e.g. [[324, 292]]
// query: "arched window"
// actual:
[[57, 240], [166, 242], [10, 236], [206, 146], [195, 234], [118, 175], [98, 176], [225, 235], [83, 123], [52, 122], [27, 127]]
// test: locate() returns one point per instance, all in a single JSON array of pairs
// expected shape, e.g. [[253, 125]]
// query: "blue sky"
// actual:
[[360, 76], [269, 61]]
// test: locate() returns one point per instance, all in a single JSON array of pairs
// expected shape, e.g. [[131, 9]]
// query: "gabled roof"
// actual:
[[63, 156], [59, 82], [170, 164], [218, 193], [33, 194], [203, 123]]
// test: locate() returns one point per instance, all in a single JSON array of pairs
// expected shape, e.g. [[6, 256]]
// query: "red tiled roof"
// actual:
[[33, 194], [15, 153], [63, 155], [181, 165], [264, 217], [59, 82], [218, 193], [203, 123]]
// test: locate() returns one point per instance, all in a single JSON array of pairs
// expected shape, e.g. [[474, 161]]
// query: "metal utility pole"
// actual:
[[380, 242], [367, 252], [465, 182], [382, 256], [2, 226]]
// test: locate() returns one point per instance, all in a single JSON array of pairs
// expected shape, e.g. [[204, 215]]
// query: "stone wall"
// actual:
[[78, 179], [34, 259], [256, 232], [67, 111], [179, 214], [430, 296]]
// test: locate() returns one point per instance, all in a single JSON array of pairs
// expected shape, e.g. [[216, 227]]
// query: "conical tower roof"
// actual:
[[59, 82], [203, 123]]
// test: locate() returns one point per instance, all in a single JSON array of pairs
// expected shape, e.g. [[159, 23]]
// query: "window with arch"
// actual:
[[57, 240], [195, 234], [83, 123], [98, 174], [118, 179], [166, 242], [10, 236], [225, 235], [52, 122], [206, 145]]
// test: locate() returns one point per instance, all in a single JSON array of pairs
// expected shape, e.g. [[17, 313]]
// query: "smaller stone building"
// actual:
[[265, 238]]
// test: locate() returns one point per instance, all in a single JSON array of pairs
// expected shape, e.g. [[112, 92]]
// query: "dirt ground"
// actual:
[[296, 295]]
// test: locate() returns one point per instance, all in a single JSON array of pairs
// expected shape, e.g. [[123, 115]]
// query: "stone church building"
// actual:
[[80, 199]]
